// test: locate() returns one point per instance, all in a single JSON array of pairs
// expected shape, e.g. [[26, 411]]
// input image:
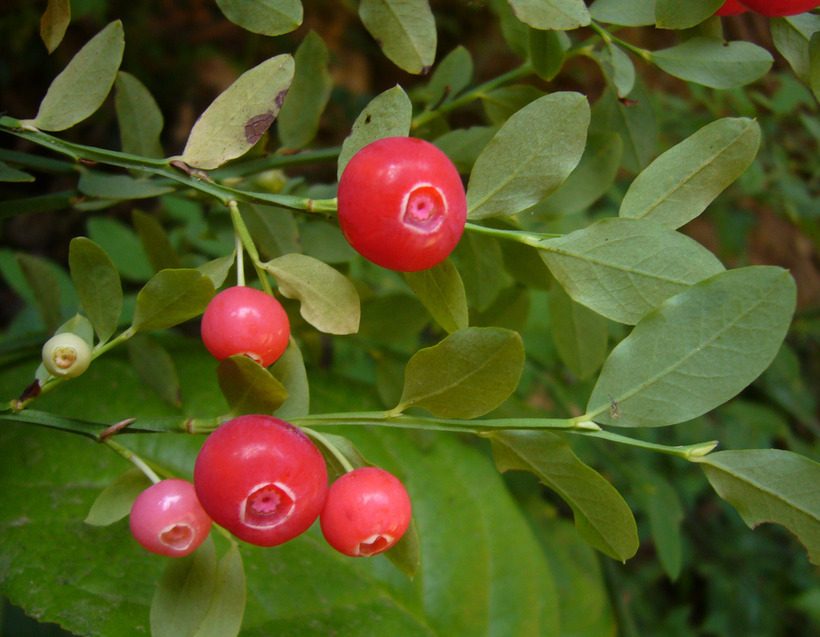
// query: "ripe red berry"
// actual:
[[401, 204], [731, 7], [261, 478], [775, 8], [167, 518], [243, 320], [366, 512]]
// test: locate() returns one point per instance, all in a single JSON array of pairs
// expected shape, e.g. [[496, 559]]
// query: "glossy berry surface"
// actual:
[[401, 204], [366, 512], [261, 478], [731, 7], [167, 519], [66, 355], [776, 8], [243, 320]]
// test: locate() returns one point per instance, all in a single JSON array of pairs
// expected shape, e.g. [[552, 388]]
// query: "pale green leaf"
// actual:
[[54, 22], [630, 13], [289, 369], [530, 156], [624, 268], [248, 387], [218, 269], [561, 15], [441, 290], [618, 66], [84, 84], [171, 297], [792, 37], [404, 29], [464, 145], [268, 17], [683, 181], [241, 115], [674, 14], [155, 367], [139, 117], [547, 52], [44, 288], [502, 103], [580, 334], [697, 350], [227, 607], [122, 245], [98, 285], [116, 500], [451, 76]]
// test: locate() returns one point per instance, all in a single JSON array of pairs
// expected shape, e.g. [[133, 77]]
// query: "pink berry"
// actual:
[[401, 204], [243, 320], [167, 518], [366, 512], [261, 478], [731, 7]]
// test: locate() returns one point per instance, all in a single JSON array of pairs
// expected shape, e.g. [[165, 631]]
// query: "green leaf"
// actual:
[[683, 181], [217, 270], [329, 300], [441, 291], [814, 65], [155, 367], [171, 297], [224, 616], [468, 374], [452, 75], [379, 319], [139, 117], [54, 22], [602, 517], [665, 514], [530, 156], [248, 387], [155, 241], [404, 29], [44, 287], [635, 13], [289, 370], [116, 500], [241, 115], [267, 17], [464, 145], [7, 173], [623, 268], [103, 186], [580, 334], [481, 265], [502, 103], [633, 119], [547, 52], [84, 84], [618, 67], [673, 14], [389, 114], [714, 63], [273, 229], [122, 245], [697, 350], [792, 37], [560, 15], [308, 95], [184, 594], [770, 485]]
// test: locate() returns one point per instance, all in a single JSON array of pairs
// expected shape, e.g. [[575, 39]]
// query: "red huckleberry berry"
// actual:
[[401, 204], [243, 320], [261, 478], [731, 7], [777, 8], [167, 518], [366, 512]]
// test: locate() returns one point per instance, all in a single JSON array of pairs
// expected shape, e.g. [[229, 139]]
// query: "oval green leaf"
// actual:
[[54, 22], [139, 117], [268, 17], [634, 13], [155, 241], [404, 29], [624, 268], [290, 371], [155, 367], [227, 607], [468, 374], [530, 156], [673, 14], [697, 350], [559, 15], [238, 118], [441, 291], [248, 387], [580, 334], [84, 84], [115, 501], [44, 288], [171, 297]]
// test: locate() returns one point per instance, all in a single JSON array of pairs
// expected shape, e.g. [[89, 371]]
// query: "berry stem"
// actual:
[[132, 457], [324, 442], [245, 240], [533, 239]]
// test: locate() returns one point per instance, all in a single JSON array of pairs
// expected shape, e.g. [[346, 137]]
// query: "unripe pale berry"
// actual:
[[401, 204], [167, 519], [243, 320], [66, 355], [731, 7], [776, 8], [366, 512], [261, 478]]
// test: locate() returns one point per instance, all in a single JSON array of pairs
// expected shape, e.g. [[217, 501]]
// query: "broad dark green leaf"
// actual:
[[379, 322], [54, 22], [248, 387], [791, 37], [224, 616], [683, 181], [389, 114], [116, 500], [560, 15], [530, 156], [171, 297], [404, 29], [602, 517], [8, 173], [155, 367], [83, 85], [328, 299], [466, 375], [510, 310], [770, 485], [299, 118], [624, 268], [122, 245], [696, 350], [451, 76], [634, 13], [715, 63], [268, 17], [155, 241], [673, 14], [44, 287], [139, 117], [481, 265], [441, 290], [289, 370], [241, 115], [183, 596], [580, 334]]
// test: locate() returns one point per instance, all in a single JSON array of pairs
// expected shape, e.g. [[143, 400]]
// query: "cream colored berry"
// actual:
[[66, 355]]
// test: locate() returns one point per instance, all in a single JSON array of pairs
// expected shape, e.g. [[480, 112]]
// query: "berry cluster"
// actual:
[[770, 8], [263, 480]]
